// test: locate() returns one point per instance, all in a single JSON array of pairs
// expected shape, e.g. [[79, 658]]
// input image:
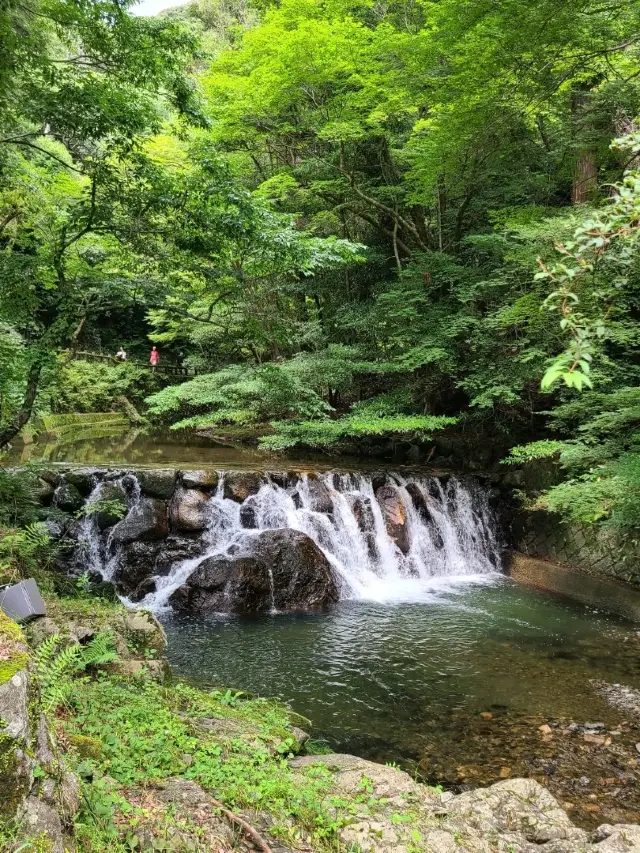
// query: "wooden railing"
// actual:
[[161, 367]]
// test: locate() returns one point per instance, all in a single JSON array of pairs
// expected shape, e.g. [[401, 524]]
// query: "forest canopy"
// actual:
[[353, 222]]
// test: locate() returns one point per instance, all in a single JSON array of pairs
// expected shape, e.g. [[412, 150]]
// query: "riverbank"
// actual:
[[153, 765]]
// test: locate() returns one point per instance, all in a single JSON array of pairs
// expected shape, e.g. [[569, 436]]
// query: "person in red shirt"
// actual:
[[154, 359]]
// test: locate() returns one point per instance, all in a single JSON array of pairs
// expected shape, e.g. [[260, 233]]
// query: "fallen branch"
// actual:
[[249, 831]]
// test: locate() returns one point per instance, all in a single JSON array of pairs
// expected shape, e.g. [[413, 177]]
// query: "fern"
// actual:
[[56, 663]]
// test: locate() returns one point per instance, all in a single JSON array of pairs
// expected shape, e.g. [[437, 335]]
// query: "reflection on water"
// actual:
[[455, 688], [168, 449]]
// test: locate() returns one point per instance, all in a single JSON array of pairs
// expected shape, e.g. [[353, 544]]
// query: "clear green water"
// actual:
[[453, 688]]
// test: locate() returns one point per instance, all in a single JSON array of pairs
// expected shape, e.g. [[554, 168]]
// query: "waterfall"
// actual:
[[387, 538], [452, 537]]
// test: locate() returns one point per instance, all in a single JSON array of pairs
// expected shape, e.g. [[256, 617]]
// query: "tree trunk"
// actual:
[[22, 416], [585, 178]]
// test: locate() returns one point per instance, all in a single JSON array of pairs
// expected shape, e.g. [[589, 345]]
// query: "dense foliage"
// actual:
[[353, 222]]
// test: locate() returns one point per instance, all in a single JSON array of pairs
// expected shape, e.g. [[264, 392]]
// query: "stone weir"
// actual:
[[212, 541]]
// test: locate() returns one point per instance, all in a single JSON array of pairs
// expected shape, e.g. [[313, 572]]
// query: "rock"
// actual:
[[40, 629], [277, 568], [395, 516], [418, 500], [302, 575], [221, 584], [83, 479], [146, 521], [41, 821], [157, 482], [14, 716], [143, 630], [248, 516], [99, 587], [187, 510], [238, 485], [67, 498], [486, 715], [144, 588], [545, 729], [363, 512], [156, 670], [378, 480], [41, 489], [110, 492], [319, 496], [203, 479], [55, 528], [175, 549], [596, 740], [135, 563], [300, 736]]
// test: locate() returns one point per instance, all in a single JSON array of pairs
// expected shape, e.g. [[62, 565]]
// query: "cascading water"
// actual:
[[447, 532]]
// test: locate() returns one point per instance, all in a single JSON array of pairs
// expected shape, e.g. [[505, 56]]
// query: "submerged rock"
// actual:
[[395, 516]]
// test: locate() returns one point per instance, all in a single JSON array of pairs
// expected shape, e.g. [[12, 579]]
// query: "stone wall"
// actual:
[[601, 553]]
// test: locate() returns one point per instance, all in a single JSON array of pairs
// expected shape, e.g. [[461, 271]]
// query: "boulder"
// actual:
[[136, 562], [41, 489], [202, 479], [157, 482], [83, 479], [280, 568], [238, 485], [146, 521], [67, 497], [144, 588], [302, 575], [395, 516], [226, 584], [187, 510]]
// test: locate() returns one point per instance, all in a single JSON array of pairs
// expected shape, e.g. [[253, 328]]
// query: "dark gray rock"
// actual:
[[157, 482], [146, 521], [84, 479], [187, 510], [67, 497], [147, 586], [206, 479], [136, 562], [277, 568], [248, 515], [363, 512], [226, 584], [418, 501], [238, 485], [320, 499], [175, 549]]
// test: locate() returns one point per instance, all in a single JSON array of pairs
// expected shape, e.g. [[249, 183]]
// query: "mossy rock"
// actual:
[[15, 777], [13, 648], [85, 746]]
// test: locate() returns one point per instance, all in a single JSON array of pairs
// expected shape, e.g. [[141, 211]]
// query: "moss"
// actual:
[[85, 746], [14, 781], [13, 650]]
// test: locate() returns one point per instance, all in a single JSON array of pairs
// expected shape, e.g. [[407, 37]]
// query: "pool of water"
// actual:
[[454, 688], [167, 449]]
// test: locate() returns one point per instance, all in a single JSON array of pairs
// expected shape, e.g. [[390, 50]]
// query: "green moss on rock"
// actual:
[[13, 649]]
